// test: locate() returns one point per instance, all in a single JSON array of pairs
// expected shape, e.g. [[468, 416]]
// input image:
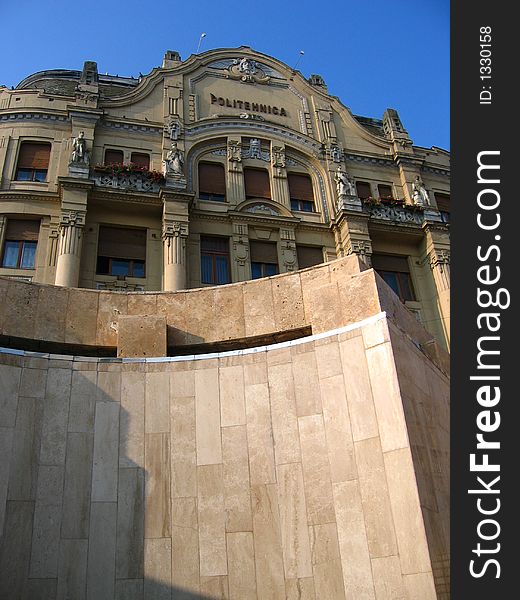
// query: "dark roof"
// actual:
[[374, 126]]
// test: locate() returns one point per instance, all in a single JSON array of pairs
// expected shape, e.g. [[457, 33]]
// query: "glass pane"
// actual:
[[28, 255], [391, 279], [406, 286], [11, 250], [308, 206], [24, 174], [295, 205], [138, 269], [206, 268], [256, 270], [222, 269], [271, 270], [120, 267], [40, 175]]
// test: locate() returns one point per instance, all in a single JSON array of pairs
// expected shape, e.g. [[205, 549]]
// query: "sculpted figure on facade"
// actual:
[[173, 128], [80, 154], [344, 185], [234, 151], [174, 161], [419, 194], [336, 154]]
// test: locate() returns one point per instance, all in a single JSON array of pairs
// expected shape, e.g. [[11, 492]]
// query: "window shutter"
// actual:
[[257, 183], [212, 179], [300, 187], [34, 155], [20, 230], [443, 202], [385, 191], [263, 252], [387, 262], [363, 189], [116, 242], [308, 256], [139, 159], [113, 157], [214, 244]]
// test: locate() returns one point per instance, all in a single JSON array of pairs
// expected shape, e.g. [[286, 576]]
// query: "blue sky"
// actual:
[[372, 54]]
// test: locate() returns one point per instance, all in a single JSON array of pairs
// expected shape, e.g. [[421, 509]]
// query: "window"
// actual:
[[308, 256], [257, 183], [444, 205], [385, 192], [33, 161], [264, 259], [300, 192], [363, 190], [214, 260], [139, 159], [21, 239], [121, 252], [396, 272], [113, 157], [212, 182]]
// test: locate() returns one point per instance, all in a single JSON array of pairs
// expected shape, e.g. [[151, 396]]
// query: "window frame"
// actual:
[[33, 170], [21, 245], [213, 254]]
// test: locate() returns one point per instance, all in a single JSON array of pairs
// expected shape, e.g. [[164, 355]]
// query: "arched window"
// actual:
[[301, 192], [257, 183], [212, 182]]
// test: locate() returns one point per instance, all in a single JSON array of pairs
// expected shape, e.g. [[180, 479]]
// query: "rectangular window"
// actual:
[[264, 259], [385, 192], [140, 160], [396, 272], [363, 190], [301, 192], [21, 240], [214, 260], [212, 182], [121, 252], [33, 161], [113, 157], [257, 184], [444, 205], [309, 256]]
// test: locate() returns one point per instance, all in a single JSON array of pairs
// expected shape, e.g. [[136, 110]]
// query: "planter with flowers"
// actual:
[[128, 177]]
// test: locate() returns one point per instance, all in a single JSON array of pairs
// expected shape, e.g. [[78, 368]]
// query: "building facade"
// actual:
[[225, 167]]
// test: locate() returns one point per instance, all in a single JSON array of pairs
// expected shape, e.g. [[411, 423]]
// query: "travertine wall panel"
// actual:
[[294, 471]]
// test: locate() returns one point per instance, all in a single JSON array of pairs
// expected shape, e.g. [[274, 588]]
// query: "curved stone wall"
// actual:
[[279, 472]]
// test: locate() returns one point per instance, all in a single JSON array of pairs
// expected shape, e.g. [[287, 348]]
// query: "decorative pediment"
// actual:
[[264, 207], [246, 69]]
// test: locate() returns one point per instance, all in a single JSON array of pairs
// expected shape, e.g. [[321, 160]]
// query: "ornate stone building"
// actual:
[[221, 168]]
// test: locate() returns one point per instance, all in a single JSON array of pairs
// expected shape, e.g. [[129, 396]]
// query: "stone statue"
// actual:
[[419, 193], [344, 185], [80, 154], [174, 161]]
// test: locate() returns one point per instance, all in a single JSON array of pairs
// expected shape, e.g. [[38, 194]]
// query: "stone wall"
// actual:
[[290, 471]]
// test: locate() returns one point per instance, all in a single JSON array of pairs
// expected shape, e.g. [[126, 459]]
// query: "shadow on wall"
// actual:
[[74, 487]]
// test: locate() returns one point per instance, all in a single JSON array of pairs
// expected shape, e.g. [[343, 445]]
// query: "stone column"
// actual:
[[437, 255], [240, 258], [74, 197], [235, 179], [352, 235], [69, 247], [174, 235], [280, 191]]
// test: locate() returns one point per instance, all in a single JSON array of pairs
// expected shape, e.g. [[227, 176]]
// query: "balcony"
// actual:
[[131, 178]]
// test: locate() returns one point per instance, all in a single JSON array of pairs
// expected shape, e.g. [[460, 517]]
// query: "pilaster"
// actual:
[[352, 235], [240, 257], [287, 256], [174, 236], [235, 177], [280, 191]]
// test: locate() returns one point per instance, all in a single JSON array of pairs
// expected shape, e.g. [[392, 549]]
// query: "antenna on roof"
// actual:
[[298, 61], [202, 36]]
